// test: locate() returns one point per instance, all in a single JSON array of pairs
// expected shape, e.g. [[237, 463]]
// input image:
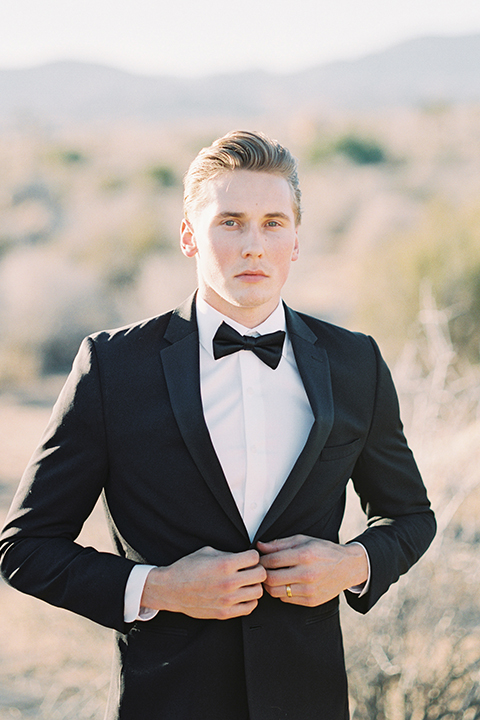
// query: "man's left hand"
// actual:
[[314, 570]]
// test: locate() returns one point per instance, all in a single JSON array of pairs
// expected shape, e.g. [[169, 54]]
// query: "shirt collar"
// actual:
[[209, 320]]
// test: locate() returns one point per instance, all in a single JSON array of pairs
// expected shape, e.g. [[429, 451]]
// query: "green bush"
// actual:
[[357, 149], [71, 157], [360, 151], [163, 175]]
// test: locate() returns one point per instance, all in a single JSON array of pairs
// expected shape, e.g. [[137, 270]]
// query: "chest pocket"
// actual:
[[337, 452]]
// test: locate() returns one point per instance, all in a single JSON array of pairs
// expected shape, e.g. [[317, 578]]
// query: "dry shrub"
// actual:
[[444, 248], [416, 655]]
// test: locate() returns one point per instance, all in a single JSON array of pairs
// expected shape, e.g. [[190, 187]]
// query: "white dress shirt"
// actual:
[[258, 420]]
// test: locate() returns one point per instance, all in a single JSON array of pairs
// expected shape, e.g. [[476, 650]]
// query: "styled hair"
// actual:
[[240, 150]]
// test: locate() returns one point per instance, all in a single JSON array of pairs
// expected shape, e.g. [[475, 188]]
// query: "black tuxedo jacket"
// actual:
[[129, 423]]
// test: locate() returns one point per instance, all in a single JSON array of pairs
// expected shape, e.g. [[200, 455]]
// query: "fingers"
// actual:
[[240, 601], [300, 550], [274, 546], [247, 594], [233, 611], [299, 594], [246, 559], [241, 569], [236, 561], [281, 559], [224, 585], [208, 583], [316, 570], [281, 592], [284, 576], [243, 584]]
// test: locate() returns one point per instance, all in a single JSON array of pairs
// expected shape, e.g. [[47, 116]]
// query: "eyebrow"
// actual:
[[271, 215], [227, 213], [281, 215]]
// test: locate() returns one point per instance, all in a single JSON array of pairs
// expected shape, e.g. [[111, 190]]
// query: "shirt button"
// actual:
[[250, 391], [253, 506]]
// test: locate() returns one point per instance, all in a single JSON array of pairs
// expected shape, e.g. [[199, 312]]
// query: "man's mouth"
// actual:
[[252, 274]]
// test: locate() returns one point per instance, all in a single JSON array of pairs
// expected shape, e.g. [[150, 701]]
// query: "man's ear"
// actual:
[[296, 248], [187, 239]]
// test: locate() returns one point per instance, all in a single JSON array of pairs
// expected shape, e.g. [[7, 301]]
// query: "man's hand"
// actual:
[[207, 584], [315, 570]]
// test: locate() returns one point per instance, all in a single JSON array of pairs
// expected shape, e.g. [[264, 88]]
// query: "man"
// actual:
[[223, 460]]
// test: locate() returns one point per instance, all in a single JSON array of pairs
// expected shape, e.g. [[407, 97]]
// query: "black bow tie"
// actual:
[[266, 347]]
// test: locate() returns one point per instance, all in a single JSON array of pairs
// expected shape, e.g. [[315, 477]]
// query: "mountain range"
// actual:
[[422, 71]]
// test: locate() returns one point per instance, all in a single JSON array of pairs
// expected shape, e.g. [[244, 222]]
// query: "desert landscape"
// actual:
[[390, 245]]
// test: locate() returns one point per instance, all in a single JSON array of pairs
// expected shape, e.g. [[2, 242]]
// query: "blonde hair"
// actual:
[[240, 150]]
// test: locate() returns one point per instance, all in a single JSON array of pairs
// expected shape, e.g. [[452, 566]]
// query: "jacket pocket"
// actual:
[[337, 452], [323, 612]]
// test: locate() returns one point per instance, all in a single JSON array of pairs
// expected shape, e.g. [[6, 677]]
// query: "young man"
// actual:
[[223, 435]]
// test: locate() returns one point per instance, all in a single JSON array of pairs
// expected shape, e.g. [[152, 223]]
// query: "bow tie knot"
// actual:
[[266, 347]]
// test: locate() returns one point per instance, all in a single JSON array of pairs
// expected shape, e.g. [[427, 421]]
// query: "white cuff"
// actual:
[[133, 595], [362, 589]]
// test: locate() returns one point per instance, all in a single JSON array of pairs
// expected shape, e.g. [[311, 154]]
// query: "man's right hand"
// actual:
[[208, 584]]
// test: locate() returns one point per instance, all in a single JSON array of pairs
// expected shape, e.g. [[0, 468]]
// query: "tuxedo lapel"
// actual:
[[314, 369], [180, 361]]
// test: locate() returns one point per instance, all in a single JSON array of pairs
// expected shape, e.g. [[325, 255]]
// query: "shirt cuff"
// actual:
[[362, 589], [133, 595]]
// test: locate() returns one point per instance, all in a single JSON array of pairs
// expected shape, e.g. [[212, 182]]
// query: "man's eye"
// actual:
[[272, 223], [230, 223]]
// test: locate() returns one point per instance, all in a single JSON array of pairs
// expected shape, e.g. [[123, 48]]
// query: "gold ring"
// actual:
[[289, 591]]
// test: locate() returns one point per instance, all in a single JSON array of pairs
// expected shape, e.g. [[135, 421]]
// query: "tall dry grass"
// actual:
[[416, 655]]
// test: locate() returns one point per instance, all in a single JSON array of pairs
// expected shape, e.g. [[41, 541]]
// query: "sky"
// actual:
[[199, 37]]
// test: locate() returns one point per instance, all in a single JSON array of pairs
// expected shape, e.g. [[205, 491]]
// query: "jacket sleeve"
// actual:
[[58, 491], [401, 524]]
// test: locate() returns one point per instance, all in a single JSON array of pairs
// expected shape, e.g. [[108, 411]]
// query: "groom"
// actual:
[[222, 436]]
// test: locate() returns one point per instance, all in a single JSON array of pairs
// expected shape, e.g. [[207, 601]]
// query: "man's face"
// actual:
[[244, 238]]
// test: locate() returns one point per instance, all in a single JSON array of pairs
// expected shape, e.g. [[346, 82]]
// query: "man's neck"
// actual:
[[249, 317]]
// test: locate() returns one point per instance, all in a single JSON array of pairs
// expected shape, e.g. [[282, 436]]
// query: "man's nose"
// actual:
[[253, 243]]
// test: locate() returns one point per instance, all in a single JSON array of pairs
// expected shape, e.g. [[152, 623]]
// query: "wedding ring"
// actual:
[[289, 591]]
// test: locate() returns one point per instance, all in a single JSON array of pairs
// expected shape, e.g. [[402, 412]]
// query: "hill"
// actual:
[[423, 71]]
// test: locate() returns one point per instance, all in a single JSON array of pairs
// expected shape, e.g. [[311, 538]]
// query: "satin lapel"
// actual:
[[313, 365], [181, 366]]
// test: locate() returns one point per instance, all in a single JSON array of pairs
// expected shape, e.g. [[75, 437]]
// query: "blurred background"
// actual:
[[102, 107]]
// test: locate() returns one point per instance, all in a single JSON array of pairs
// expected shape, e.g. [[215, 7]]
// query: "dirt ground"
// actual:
[[53, 665]]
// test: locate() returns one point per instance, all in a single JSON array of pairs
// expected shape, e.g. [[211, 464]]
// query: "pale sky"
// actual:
[[196, 37]]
